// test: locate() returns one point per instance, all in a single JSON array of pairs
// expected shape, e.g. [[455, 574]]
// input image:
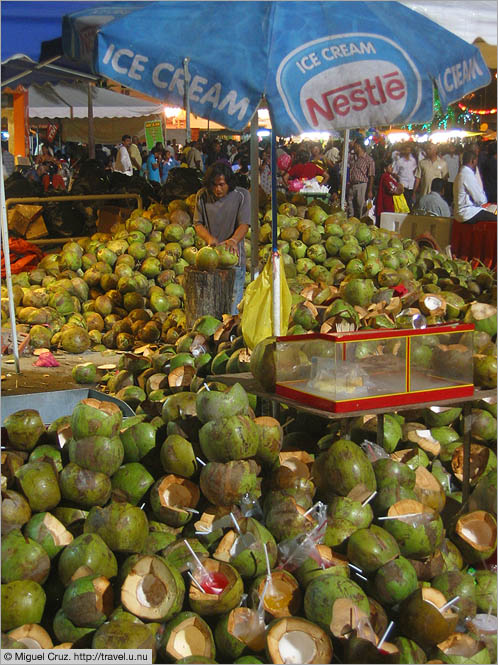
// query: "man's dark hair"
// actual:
[[5, 145], [468, 156], [302, 157], [437, 185], [214, 171], [125, 136], [492, 149]]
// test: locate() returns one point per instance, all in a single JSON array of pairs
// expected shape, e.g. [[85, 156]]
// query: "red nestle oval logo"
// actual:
[[364, 93]]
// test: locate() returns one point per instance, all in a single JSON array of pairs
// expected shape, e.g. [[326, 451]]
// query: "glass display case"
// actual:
[[353, 371]]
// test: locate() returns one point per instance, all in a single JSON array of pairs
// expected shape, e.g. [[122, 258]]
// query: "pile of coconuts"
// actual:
[[123, 290], [157, 531]]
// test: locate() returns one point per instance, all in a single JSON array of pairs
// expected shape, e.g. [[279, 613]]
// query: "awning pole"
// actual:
[[187, 96], [254, 196], [344, 174], [91, 134], [275, 252], [8, 276]]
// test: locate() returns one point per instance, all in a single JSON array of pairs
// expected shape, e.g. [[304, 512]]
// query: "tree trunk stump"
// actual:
[[207, 292]]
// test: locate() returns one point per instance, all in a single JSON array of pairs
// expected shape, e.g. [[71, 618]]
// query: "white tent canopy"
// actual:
[[65, 100]]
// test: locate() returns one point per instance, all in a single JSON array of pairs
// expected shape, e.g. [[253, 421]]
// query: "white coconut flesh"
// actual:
[[30, 643], [32, 636], [145, 591], [478, 530], [297, 647], [189, 641]]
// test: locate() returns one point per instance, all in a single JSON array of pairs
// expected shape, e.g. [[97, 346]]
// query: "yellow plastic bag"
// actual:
[[400, 204], [257, 313]]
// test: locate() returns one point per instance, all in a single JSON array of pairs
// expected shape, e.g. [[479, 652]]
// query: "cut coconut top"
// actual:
[[292, 641], [360, 493], [104, 601], [481, 310], [32, 636], [424, 439], [478, 529], [181, 376], [267, 421], [459, 644], [436, 598], [58, 531], [178, 493], [408, 507], [81, 571], [479, 456], [190, 638], [145, 590], [347, 616]]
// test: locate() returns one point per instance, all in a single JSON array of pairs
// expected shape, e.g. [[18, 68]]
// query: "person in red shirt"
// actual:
[[388, 187], [305, 170]]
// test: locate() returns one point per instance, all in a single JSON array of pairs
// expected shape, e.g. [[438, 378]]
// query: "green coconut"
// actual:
[[66, 631], [124, 632], [341, 468], [420, 533], [212, 405], [371, 548], [23, 602], [38, 481], [23, 559], [457, 583], [395, 581], [245, 551], [409, 651], [131, 482], [226, 484], [85, 373], [175, 643], [485, 590], [138, 439], [123, 527], [178, 555], [229, 438], [343, 507], [91, 416], [207, 604], [24, 429], [49, 532], [389, 473], [84, 487], [150, 588], [88, 601], [97, 453], [86, 552], [330, 594]]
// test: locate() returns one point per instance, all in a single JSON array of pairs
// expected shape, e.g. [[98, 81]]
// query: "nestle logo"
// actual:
[[327, 97]]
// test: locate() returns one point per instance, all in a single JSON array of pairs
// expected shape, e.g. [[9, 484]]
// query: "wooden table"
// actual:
[[249, 383]]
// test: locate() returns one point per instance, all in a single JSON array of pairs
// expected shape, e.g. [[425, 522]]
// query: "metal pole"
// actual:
[[344, 174], [275, 253], [8, 276], [187, 96], [254, 196], [91, 133]]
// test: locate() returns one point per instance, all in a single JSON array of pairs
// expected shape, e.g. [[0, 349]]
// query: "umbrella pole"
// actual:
[[254, 196], [187, 97], [275, 253], [8, 276], [344, 174]]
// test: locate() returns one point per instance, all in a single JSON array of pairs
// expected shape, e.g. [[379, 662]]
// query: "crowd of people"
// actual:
[[451, 180]]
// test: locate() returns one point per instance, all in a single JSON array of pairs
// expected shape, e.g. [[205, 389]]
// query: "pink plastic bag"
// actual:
[[295, 185]]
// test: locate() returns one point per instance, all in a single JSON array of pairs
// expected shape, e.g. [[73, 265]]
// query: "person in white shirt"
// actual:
[[123, 160], [404, 167], [452, 159], [468, 194]]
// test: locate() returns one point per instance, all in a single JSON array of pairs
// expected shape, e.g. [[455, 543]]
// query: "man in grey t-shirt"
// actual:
[[222, 216]]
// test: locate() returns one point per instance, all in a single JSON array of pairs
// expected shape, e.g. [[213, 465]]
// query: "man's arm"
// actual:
[[203, 233]]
